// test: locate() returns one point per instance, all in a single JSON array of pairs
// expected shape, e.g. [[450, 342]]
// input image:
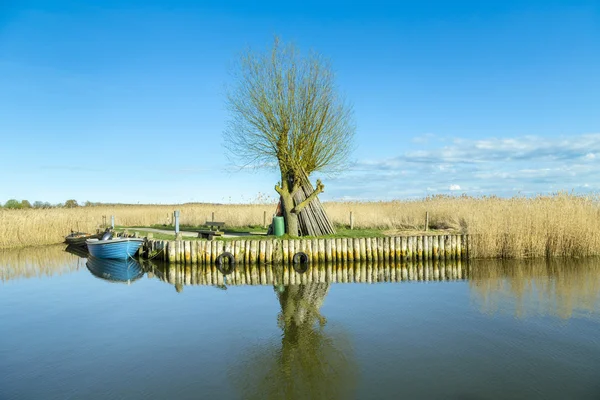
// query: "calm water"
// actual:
[[70, 328]]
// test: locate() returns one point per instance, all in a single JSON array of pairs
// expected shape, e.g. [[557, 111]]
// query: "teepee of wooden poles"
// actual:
[[312, 220]]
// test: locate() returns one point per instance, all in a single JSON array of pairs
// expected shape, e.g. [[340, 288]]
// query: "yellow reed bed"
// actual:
[[557, 225]]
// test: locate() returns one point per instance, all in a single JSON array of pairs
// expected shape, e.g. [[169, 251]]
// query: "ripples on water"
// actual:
[[487, 329]]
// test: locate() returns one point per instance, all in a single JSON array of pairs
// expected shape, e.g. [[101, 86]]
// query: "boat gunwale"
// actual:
[[115, 240]]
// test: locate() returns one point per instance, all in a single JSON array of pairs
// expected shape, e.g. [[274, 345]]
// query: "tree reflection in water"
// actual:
[[311, 363]]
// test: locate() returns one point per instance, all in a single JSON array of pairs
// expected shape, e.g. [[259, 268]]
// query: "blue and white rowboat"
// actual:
[[118, 248]]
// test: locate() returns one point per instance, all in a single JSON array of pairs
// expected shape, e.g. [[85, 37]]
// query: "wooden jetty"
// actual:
[[332, 250]]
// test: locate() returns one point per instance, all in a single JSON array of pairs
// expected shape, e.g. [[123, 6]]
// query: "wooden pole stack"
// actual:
[[312, 220]]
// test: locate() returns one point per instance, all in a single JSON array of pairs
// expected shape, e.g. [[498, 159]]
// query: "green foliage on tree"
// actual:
[[286, 112], [71, 204], [25, 204], [13, 204]]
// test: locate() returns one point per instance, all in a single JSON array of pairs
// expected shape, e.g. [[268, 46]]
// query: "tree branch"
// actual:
[[310, 198], [279, 189]]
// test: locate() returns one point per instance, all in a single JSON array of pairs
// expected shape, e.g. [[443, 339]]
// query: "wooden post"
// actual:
[[453, 246], [350, 256], [363, 249], [380, 250], [447, 246], [287, 251], [315, 250], [269, 251], [344, 250], [426, 221], [374, 256], [253, 251], [386, 250], [435, 248], [322, 250], [430, 249], [264, 219], [329, 250], [351, 220], [112, 221], [171, 254], [187, 252]]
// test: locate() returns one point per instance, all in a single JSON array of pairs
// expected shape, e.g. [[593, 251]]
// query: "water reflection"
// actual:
[[124, 271], [35, 262], [310, 362], [559, 287]]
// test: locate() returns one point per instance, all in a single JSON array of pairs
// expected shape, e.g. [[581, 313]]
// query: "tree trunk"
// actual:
[[290, 218]]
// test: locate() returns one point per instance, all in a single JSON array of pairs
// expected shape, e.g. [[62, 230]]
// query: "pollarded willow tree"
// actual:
[[286, 113]]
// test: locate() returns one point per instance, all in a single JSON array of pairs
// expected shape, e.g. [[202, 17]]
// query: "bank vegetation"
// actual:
[[544, 226]]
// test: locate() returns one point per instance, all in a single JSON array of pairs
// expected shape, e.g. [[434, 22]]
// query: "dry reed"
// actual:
[[544, 226]]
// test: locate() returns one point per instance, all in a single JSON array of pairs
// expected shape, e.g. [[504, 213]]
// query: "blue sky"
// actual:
[[122, 101]]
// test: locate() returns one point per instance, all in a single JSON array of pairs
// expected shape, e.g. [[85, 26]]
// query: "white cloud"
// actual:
[[526, 164]]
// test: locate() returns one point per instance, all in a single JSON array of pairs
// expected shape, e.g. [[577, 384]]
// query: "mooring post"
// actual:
[[176, 219], [351, 220], [213, 216], [112, 221], [426, 221]]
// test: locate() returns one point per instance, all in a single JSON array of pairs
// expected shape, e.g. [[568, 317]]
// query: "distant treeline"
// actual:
[[21, 204]]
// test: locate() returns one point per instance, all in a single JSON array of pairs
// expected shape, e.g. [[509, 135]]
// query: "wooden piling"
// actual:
[[386, 249], [187, 252], [447, 247], [262, 251], [321, 243], [268, 251], [380, 249], [254, 245], [398, 246], [363, 249], [277, 251], [193, 253]]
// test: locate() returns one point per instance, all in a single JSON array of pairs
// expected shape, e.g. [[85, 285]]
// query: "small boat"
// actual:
[[117, 248], [79, 238], [125, 271]]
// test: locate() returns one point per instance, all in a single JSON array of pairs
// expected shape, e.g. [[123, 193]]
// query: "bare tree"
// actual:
[[286, 113]]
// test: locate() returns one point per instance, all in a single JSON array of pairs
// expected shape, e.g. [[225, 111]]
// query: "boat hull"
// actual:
[[79, 238], [119, 249]]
